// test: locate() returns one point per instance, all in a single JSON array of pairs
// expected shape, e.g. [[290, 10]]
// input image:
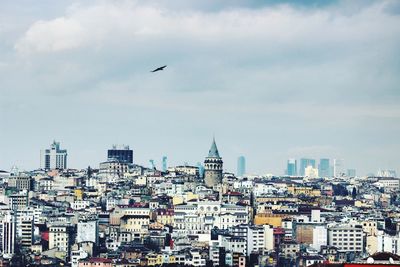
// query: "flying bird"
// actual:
[[160, 68]]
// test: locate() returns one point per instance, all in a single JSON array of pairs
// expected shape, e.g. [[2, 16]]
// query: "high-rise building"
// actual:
[[164, 164], [8, 235], [123, 154], [338, 168], [213, 167], [54, 157], [304, 163], [324, 168], [241, 166], [291, 169]]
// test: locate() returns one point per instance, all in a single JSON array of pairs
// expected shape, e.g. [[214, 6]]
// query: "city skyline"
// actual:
[[293, 79]]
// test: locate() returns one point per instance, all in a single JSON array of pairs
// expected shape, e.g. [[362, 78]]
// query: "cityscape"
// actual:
[[180, 133], [123, 214]]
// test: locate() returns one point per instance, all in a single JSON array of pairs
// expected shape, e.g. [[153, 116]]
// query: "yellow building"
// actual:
[[267, 218], [78, 194], [177, 200], [308, 191]]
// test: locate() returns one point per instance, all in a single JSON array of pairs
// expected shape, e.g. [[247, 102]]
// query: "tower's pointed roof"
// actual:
[[213, 152]]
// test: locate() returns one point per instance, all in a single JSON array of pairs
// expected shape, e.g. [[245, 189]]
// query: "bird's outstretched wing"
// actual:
[[160, 68]]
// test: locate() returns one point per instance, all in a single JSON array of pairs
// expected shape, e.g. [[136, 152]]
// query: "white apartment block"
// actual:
[[347, 238]]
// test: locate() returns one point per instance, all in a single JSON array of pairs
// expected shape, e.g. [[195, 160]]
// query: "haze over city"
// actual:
[[270, 80]]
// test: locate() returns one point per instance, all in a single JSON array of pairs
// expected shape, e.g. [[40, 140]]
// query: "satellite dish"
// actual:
[[370, 260]]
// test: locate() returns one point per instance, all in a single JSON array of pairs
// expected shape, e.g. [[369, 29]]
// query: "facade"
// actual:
[[241, 166], [8, 235], [291, 169], [123, 155], [88, 231], [213, 167], [54, 157], [324, 168], [20, 182], [346, 238], [59, 238]]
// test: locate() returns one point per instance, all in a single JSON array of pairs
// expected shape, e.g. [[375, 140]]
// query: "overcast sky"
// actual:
[[271, 80]]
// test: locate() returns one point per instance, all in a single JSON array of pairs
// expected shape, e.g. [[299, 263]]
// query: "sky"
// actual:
[[271, 80]]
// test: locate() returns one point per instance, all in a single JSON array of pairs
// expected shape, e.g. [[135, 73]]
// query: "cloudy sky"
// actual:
[[271, 80]]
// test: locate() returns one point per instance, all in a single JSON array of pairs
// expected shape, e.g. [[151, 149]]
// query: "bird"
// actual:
[[160, 68]]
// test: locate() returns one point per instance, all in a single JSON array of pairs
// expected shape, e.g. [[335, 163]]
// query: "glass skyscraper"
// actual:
[[291, 169], [324, 168], [241, 166], [124, 155]]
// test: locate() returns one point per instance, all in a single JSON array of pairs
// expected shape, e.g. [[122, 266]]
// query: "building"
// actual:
[[304, 163], [59, 238], [324, 168], [347, 238], [8, 235], [338, 168], [311, 172], [26, 232], [291, 169], [88, 231], [213, 167], [123, 155], [241, 166], [20, 182], [54, 157]]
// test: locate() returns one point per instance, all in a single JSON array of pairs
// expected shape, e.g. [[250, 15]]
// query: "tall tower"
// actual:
[[241, 166], [53, 158], [213, 167]]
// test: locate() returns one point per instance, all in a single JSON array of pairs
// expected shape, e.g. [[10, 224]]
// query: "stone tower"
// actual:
[[213, 167]]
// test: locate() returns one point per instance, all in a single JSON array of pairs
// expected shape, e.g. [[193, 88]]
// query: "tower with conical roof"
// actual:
[[213, 167]]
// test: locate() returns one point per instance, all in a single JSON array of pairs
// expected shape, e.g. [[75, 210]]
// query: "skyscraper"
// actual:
[[8, 235], [122, 155], [213, 167], [241, 166], [304, 163], [291, 169], [338, 168], [53, 158], [324, 168]]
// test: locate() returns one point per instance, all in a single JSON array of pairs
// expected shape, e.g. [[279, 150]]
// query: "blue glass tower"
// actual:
[[241, 166]]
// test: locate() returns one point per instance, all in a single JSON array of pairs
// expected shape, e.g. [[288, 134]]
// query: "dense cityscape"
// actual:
[[124, 214]]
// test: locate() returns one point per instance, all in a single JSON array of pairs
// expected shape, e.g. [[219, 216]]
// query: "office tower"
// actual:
[[164, 164], [54, 157], [241, 166], [291, 167], [324, 168], [8, 235], [304, 163], [338, 168], [213, 167], [122, 154], [351, 173]]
